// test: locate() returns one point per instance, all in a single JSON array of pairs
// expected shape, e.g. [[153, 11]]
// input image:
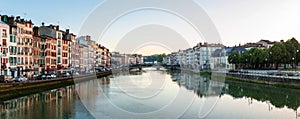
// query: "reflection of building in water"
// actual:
[[50, 102], [203, 86]]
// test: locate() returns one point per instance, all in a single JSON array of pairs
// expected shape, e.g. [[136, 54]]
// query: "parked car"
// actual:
[[20, 79], [48, 76], [45, 76], [66, 74], [76, 74], [53, 75]]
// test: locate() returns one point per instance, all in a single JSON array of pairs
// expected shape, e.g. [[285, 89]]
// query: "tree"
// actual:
[[279, 54], [234, 58], [291, 46], [160, 57]]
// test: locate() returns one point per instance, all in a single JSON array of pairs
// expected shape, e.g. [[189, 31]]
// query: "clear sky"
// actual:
[[237, 21]]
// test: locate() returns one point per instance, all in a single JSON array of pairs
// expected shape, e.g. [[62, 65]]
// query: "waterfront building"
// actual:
[[17, 50], [266, 43], [167, 60], [67, 39], [116, 60], [98, 54], [4, 45], [48, 48], [105, 56], [75, 56], [84, 53], [24, 39], [206, 50], [91, 49], [12, 69], [37, 67], [220, 56]]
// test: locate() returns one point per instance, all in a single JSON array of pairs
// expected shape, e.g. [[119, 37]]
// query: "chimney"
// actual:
[[18, 18], [11, 20], [67, 30], [57, 27], [51, 26]]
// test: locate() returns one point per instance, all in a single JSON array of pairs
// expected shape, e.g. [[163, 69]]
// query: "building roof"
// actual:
[[267, 41]]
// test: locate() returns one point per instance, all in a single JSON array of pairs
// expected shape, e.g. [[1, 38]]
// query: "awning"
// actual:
[[50, 69]]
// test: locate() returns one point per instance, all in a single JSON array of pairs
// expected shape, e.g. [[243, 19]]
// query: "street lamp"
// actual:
[[270, 58], [266, 62], [296, 59]]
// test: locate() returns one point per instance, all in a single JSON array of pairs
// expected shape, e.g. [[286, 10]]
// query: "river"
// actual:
[[156, 93]]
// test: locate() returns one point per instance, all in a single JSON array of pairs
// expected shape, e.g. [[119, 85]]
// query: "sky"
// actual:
[[237, 22]]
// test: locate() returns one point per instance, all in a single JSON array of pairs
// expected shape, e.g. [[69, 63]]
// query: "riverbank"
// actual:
[[15, 90], [285, 83]]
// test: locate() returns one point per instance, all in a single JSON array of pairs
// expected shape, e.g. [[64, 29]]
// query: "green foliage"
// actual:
[[160, 57], [234, 57], [281, 53], [157, 57]]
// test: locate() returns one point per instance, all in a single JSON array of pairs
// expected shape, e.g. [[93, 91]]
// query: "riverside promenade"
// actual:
[[272, 77]]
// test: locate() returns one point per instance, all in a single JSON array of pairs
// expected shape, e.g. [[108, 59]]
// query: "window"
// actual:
[[4, 42], [59, 36], [59, 43], [58, 60], [4, 34], [47, 60], [11, 39]]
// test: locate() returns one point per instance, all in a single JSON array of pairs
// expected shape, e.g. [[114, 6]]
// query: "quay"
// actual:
[[282, 81]]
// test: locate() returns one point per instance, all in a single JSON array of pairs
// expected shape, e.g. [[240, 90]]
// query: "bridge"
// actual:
[[141, 66]]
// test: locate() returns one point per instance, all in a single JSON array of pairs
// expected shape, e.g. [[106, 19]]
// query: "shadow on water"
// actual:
[[279, 97]]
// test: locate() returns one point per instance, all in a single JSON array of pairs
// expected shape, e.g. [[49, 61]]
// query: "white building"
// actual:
[[4, 36], [206, 51]]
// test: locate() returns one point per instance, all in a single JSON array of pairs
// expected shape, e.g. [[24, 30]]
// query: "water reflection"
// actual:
[[58, 103], [278, 97], [274, 98], [103, 98], [201, 85]]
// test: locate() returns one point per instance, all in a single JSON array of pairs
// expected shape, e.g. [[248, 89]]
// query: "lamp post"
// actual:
[[270, 58], [266, 62], [293, 60], [296, 63]]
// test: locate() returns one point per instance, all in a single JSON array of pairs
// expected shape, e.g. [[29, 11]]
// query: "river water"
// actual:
[[155, 94]]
